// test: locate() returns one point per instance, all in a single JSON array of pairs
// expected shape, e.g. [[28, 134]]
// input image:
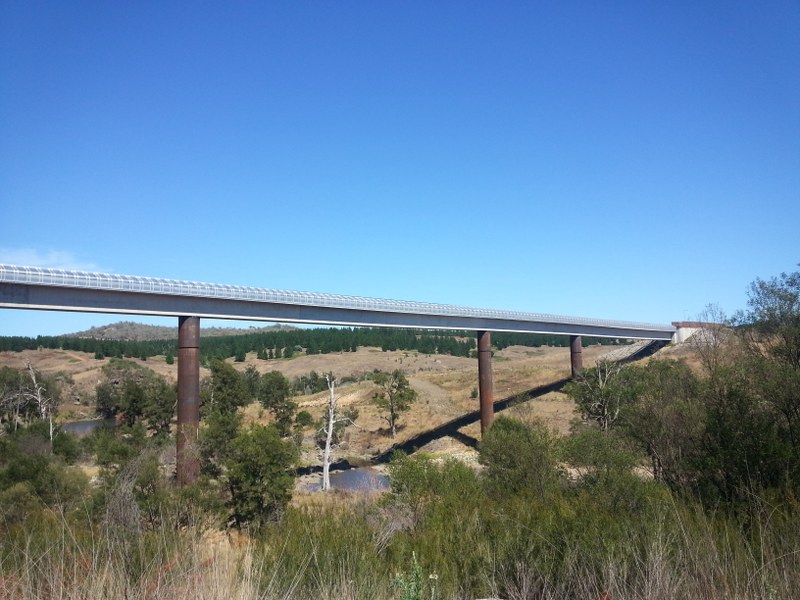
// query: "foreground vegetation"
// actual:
[[442, 532], [676, 483]]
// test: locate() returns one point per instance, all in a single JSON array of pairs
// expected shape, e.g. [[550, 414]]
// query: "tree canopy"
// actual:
[[393, 397]]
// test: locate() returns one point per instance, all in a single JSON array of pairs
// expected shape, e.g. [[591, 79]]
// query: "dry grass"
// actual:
[[66, 569], [444, 385], [687, 555]]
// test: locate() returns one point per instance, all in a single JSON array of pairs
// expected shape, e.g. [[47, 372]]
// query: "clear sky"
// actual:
[[628, 160]]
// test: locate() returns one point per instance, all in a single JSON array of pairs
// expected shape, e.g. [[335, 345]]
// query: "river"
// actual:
[[84, 428], [365, 479]]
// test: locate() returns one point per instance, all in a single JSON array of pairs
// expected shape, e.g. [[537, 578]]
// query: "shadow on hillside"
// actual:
[[448, 429], [451, 428]]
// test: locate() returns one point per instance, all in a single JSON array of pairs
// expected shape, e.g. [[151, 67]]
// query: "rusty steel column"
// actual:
[[575, 354], [188, 458], [485, 379]]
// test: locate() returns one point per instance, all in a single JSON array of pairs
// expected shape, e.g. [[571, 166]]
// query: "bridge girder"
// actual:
[[30, 296]]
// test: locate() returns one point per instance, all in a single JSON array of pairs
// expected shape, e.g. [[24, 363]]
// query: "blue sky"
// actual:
[[627, 160]]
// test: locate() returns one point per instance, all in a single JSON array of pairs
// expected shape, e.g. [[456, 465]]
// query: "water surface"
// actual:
[[84, 428], [365, 479]]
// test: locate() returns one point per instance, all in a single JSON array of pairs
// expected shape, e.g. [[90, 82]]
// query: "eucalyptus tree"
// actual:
[[393, 397]]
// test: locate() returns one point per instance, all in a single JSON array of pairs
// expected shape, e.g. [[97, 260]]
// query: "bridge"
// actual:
[[36, 288]]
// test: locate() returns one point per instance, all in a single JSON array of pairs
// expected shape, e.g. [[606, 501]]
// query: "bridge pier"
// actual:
[[187, 466], [485, 388], [575, 354]]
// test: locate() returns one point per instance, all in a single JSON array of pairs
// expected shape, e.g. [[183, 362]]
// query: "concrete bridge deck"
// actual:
[[56, 289]]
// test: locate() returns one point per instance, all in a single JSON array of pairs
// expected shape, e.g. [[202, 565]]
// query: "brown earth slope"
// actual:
[[444, 385]]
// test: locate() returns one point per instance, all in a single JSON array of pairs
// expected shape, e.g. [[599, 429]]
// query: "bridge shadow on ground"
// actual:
[[648, 350], [448, 429], [451, 428]]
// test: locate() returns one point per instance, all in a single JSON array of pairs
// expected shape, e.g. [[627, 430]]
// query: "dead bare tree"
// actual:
[[25, 396], [330, 429], [45, 403]]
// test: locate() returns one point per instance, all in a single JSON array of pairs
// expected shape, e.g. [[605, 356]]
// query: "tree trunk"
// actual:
[[43, 403], [326, 455]]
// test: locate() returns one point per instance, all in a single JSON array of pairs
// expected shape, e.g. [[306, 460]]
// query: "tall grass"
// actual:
[[58, 558], [576, 543]]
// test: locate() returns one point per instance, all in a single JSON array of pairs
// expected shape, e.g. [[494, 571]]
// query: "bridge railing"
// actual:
[[154, 285]]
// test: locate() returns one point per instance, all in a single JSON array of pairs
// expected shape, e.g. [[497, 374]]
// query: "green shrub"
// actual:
[[598, 455], [27, 466], [18, 502], [67, 446], [520, 456], [257, 475], [419, 480], [113, 447], [304, 419]]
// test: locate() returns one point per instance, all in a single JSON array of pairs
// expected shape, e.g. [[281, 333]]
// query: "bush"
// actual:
[[257, 475], [419, 480], [520, 456], [114, 447], [667, 419], [437, 510], [598, 455], [304, 419], [67, 446], [27, 468], [17, 503]]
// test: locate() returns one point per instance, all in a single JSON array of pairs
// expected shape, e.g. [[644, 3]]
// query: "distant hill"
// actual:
[[130, 339], [128, 331]]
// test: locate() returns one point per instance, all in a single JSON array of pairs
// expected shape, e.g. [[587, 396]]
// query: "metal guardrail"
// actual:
[[47, 277]]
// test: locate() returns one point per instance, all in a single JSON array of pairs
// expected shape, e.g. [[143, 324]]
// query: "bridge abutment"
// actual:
[[187, 467], [575, 354], [485, 387]]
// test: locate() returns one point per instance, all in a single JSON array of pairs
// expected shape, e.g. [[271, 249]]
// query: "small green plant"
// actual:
[[414, 585]]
